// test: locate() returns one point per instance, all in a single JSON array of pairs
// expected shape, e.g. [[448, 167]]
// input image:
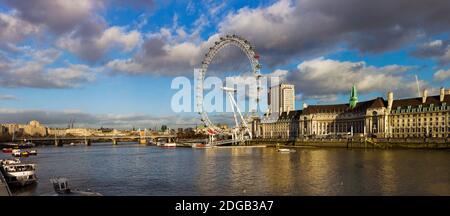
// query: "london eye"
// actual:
[[241, 127]]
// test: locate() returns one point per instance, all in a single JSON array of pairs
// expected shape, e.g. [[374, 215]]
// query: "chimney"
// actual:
[[424, 96], [390, 98], [442, 94]]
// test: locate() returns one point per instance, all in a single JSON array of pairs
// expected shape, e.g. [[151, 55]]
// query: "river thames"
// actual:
[[133, 169]]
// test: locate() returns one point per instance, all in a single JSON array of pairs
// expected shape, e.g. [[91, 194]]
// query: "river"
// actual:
[[133, 169]]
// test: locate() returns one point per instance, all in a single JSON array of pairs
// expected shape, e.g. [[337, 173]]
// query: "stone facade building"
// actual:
[[33, 128], [426, 116]]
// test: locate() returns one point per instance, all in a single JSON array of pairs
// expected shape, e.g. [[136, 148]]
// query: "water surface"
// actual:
[[133, 169]]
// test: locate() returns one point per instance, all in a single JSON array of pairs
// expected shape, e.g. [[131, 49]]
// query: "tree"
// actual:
[[163, 128]]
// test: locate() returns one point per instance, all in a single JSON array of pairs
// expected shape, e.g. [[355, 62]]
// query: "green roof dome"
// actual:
[[353, 97]]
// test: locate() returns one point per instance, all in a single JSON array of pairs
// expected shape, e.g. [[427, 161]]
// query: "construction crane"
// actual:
[[71, 123]]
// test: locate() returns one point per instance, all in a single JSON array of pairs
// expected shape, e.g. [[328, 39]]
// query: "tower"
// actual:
[[281, 98], [353, 97]]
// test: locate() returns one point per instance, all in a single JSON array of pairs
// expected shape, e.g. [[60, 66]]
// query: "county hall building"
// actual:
[[426, 116]]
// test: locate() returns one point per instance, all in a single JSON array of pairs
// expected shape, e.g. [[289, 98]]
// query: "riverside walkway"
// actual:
[[4, 189]]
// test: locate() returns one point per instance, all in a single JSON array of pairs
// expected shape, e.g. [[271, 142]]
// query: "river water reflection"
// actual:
[[131, 169]]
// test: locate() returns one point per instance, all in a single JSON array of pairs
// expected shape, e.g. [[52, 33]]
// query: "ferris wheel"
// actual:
[[241, 126]]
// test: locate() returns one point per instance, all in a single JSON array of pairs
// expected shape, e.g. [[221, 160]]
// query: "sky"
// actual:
[[111, 63]]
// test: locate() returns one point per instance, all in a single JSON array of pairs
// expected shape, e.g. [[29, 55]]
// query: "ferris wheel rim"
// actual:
[[225, 41]]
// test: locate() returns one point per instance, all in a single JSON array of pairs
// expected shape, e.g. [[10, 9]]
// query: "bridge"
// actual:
[[58, 141]]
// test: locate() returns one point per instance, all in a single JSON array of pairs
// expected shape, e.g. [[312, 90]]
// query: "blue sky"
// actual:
[[111, 62]]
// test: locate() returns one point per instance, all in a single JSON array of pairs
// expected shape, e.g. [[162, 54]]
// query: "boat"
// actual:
[[200, 145], [9, 161], [26, 145], [168, 145], [166, 142], [10, 145], [7, 150], [61, 187], [17, 173], [16, 153], [72, 144], [24, 154], [285, 150], [32, 152]]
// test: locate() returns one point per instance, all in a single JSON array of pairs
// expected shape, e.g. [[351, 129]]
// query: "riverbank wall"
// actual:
[[381, 143], [4, 189]]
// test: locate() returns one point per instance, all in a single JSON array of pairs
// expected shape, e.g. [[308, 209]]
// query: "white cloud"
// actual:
[[31, 69], [321, 76], [436, 49], [84, 119], [287, 30], [8, 97], [441, 75], [57, 15], [35, 75], [14, 29], [96, 46]]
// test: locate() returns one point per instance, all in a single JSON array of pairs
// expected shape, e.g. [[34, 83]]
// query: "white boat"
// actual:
[[168, 144], [17, 173], [72, 144], [15, 150], [61, 187], [16, 153], [9, 161], [285, 150]]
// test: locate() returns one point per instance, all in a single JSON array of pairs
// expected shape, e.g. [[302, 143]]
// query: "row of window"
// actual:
[[431, 108], [420, 130]]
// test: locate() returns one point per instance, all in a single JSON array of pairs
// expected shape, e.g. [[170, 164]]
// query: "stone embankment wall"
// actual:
[[382, 143]]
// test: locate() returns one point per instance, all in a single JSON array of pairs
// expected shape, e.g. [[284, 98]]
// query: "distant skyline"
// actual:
[[110, 63]]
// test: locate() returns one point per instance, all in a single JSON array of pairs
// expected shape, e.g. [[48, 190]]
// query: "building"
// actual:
[[3, 130], [286, 127], [426, 116], [80, 132], [59, 132], [33, 128], [281, 99]]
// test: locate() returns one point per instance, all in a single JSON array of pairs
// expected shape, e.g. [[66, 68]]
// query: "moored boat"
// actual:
[[285, 150], [200, 145], [16, 153], [27, 145], [61, 187], [168, 145], [24, 154], [17, 173], [7, 150], [32, 152]]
